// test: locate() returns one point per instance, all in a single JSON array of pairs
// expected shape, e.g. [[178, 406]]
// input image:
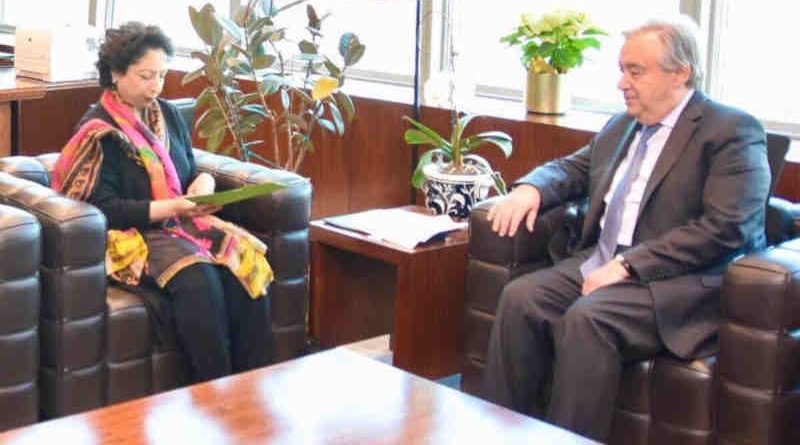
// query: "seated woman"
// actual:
[[132, 158]]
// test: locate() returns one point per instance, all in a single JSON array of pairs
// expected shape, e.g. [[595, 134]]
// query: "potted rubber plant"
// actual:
[[294, 92]]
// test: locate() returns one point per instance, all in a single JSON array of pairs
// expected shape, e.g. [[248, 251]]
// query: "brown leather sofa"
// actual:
[[749, 393], [97, 342], [20, 253]]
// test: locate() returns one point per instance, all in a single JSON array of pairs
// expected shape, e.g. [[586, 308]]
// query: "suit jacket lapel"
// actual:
[[675, 145]]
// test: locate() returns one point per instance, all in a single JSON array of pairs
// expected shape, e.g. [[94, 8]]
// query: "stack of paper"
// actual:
[[397, 226]]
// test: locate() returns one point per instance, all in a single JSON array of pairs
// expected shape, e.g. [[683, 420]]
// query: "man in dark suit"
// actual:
[[677, 187]]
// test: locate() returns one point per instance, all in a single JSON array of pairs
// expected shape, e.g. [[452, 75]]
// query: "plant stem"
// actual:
[[228, 121]]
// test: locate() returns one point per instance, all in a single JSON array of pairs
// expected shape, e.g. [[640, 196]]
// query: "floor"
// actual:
[[378, 348]]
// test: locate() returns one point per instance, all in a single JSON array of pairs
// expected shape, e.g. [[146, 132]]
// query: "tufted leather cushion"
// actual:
[[73, 281], [759, 358], [20, 250]]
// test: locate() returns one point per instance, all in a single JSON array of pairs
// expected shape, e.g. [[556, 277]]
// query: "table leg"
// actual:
[[429, 312]]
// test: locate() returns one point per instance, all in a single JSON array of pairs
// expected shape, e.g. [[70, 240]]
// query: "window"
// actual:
[[593, 84], [171, 15], [753, 65], [386, 27], [748, 64], [29, 13]]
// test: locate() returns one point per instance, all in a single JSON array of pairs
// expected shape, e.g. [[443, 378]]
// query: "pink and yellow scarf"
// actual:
[[76, 173]]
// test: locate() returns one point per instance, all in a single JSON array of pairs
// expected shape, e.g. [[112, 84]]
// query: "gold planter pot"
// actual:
[[547, 93]]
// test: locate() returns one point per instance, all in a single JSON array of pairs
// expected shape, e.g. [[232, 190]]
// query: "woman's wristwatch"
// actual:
[[626, 265]]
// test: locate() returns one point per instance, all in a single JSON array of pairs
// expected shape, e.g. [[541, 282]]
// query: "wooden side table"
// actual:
[[362, 287]]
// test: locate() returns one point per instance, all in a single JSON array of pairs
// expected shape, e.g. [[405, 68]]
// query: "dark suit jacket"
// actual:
[[703, 205]]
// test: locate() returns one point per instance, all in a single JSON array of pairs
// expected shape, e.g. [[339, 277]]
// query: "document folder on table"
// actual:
[[404, 228]]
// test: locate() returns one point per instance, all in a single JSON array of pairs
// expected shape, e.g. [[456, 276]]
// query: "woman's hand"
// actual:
[[203, 184], [179, 207], [185, 207]]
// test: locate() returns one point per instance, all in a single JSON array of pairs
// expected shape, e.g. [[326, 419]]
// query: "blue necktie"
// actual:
[[607, 242]]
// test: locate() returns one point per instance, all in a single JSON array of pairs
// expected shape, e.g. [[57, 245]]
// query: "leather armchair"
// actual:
[[749, 393], [97, 342], [20, 250]]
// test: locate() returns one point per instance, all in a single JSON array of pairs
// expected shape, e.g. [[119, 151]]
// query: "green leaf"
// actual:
[[418, 178], [209, 122], [314, 22], [345, 103], [251, 97], [285, 99], [192, 76], [423, 135], [499, 183], [497, 138], [263, 61], [256, 109], [458, 129], [272, 83], [205, 24], [231, 27], [350, 48], [263, 24], [307, 47], [203, 57], [267, 7], [326, 124], [204, 98], [215, 139], [333, 70], [250, 121], [337, 118]]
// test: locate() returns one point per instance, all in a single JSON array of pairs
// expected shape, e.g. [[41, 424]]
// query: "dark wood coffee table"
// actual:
[[362, 287], [335, 396]]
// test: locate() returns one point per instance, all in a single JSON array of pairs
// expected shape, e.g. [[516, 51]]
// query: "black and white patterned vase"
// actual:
[[455, 194]]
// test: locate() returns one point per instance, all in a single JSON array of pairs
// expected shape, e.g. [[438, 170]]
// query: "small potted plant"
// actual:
[[453, 178], [552, 44]]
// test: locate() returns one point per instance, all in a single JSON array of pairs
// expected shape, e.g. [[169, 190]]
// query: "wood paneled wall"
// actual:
[[46, 124], [370, 166]]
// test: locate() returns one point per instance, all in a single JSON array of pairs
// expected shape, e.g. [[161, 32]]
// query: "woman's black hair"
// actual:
[[125, 45]]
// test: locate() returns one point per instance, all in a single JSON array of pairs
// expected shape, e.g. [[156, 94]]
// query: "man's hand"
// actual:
[[610, 273], [507, 213]]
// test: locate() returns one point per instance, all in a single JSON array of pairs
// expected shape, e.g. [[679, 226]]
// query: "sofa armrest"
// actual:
[[759, 356], [281, 220], [73, 280], [26, 167], [780, 221], [20, 250], [555, 230]]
